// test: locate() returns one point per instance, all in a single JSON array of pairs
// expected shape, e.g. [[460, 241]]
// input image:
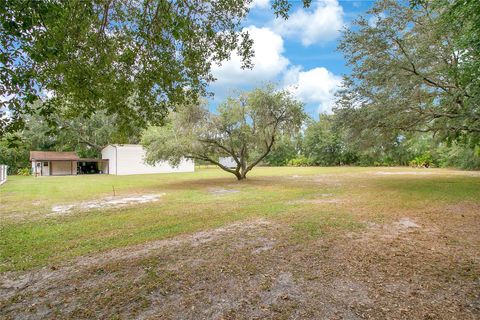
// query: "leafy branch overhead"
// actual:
[[414, 68], [135, 59], [126, 57], [245, 128]]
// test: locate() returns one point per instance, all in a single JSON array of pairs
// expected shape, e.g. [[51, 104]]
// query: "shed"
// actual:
[[125, 159], [52, 163]]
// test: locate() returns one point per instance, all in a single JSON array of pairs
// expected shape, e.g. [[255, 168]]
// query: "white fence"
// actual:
[[3, 174]]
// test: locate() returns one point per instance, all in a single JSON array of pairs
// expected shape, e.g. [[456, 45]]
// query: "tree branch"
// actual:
[[206, 158], [105, 17], [415, 71], [267, 151], [229, 151]]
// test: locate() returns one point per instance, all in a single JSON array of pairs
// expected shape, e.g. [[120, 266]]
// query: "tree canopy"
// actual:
[[245, 128], [414, 68], [135, 59], [324, 144], [132, 58]]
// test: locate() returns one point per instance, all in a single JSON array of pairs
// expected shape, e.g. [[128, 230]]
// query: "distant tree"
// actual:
[[325, 145], [285, 149], [86, 136], [244, 128], [14, 152], [414, 68], [136, 59], [457, 155]]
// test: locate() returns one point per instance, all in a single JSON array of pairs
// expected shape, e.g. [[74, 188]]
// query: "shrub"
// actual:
[[23, 171], [300, 161], [423, 161]]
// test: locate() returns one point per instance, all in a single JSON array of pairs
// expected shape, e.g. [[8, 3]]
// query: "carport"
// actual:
[[92, 166]]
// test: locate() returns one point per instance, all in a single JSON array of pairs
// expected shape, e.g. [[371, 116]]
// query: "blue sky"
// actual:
[[299, 53]]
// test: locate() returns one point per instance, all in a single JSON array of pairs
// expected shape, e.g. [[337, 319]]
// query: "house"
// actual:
[[124, 159], [52, 163]]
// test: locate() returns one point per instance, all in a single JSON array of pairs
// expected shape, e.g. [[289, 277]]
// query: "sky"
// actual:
[[299, 54]]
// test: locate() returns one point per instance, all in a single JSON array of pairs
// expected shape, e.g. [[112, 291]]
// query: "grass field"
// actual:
[[294, 242]]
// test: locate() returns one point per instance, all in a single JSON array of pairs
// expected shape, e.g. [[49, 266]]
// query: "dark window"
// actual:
[[45, 164]]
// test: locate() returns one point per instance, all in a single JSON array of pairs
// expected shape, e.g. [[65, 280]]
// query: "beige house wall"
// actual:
[[61, 168]]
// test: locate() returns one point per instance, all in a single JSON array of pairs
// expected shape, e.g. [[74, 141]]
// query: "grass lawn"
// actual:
[[32, 238], [364, 225]]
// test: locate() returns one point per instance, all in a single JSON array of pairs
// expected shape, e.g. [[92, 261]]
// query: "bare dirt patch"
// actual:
[[392, 230], [389, 173], [105, 203], [12, 281], [222, 191], [314, 201], [328, 180], [43, 294], [319, 199], [406, 223], [284, 287], [296, 176]]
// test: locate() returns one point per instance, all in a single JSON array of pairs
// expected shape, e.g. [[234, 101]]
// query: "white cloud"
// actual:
[[268, 61], [319, 24], [261, 4], [316, 86]]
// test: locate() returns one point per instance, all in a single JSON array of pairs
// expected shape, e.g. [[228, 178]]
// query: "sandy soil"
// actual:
[[108, 202], [222, 191], [405, 173]]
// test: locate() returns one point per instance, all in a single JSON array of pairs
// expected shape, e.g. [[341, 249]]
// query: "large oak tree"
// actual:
[[244, 128], [414, 68]]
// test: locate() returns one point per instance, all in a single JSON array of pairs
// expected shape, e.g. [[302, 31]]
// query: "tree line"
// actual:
[[325, 142], [281, 135]]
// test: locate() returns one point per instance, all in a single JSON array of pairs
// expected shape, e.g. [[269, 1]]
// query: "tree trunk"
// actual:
[[240, 172], [241, 176]]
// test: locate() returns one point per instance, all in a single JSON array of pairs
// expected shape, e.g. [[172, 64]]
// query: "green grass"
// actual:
[[29, 238]]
